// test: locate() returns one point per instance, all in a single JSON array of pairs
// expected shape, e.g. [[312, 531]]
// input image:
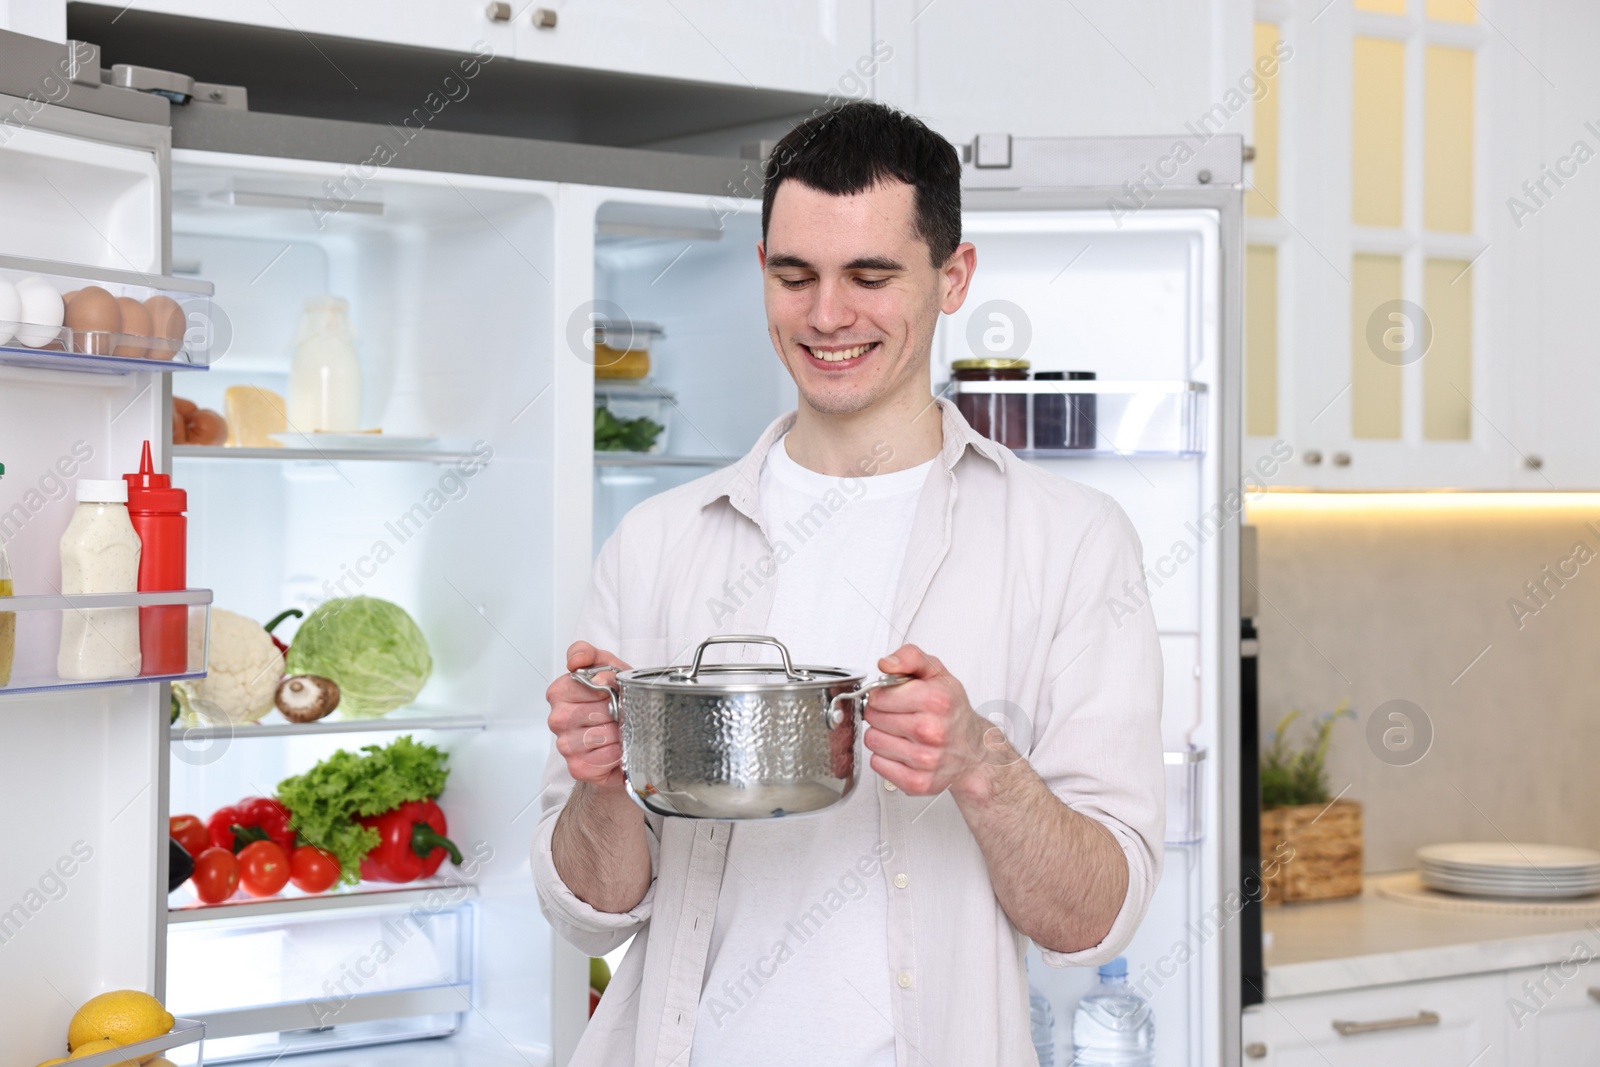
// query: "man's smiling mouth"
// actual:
[[841, 355]]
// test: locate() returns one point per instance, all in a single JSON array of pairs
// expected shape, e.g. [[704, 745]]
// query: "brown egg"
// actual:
[[184, 407], [206, 427], [180, 430], [93, 316], [166, 324], [135, 327]]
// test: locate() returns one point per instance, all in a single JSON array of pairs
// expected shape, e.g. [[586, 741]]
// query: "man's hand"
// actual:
[[925, 737], [579, 717], [598, 845]]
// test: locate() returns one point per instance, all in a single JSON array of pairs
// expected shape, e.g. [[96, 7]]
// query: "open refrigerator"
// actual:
[[474, 293]]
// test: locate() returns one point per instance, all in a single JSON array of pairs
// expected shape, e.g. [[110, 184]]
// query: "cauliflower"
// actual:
[[242, 672]]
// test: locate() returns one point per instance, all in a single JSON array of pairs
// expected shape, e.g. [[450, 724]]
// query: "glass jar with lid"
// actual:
[[1001, 417]]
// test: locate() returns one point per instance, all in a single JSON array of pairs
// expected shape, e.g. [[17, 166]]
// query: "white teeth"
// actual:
[[842, 354]]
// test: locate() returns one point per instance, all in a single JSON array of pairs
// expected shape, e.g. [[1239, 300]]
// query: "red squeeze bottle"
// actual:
[[156, 510]]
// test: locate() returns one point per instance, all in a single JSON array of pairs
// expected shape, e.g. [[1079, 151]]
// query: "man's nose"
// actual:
[[831, 310]]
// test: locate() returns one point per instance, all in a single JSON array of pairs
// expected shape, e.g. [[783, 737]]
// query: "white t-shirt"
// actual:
[[789, 982]]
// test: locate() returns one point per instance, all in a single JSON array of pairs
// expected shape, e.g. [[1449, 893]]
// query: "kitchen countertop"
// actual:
[[1324, 946]]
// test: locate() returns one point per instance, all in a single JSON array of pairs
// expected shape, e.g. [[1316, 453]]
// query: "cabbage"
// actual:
[[370, 647]]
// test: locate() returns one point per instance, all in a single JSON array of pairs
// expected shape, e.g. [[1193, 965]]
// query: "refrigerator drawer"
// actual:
[[277, 984]]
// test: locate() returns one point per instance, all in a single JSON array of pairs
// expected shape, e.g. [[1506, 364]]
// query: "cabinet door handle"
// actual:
[[1405, 1022]]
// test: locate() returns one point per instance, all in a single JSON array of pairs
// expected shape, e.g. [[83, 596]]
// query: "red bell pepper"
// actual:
[[276, 619], [252, 819], [413, 843]]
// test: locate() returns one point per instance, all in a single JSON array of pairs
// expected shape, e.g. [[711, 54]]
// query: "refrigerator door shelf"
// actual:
[[143, 322], [187, 1035], [33, 627], [274, 725], [1072, 419]]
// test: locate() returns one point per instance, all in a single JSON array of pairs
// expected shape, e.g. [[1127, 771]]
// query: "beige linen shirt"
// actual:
[[1007, 578]]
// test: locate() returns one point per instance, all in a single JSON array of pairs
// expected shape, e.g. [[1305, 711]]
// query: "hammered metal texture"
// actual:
[[736, 755]]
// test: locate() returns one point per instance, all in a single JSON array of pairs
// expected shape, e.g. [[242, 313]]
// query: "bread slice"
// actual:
[[254, 414]]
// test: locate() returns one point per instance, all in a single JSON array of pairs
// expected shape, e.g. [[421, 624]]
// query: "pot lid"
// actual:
[[738, 678]]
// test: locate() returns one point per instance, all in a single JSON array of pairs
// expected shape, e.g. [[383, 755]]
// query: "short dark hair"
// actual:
[[858, 145]]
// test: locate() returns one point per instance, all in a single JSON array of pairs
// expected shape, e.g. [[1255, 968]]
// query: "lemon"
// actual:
[[90, 1048], [123, 1015]]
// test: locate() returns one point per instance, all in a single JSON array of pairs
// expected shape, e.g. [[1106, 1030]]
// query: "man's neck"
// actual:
[[892, 435]]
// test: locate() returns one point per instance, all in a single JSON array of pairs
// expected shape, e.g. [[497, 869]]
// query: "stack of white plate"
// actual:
[[1505, 869]]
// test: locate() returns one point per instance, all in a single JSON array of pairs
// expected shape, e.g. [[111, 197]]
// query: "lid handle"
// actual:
[[745, 639]]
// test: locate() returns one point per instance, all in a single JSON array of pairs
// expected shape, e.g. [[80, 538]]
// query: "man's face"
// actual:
[[851, 296]]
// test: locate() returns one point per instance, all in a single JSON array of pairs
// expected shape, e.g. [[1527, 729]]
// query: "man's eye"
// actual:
[[793, 283], [872, 283]]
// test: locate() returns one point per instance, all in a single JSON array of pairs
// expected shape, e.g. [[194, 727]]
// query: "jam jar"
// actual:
[[1061, 418], [1001, 417]]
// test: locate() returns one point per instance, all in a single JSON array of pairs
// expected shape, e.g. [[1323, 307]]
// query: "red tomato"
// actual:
[[313, 870], [263, 868], [189, 832], [216, 875]]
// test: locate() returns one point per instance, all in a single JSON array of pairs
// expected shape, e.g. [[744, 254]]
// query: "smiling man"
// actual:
[[882, 534]]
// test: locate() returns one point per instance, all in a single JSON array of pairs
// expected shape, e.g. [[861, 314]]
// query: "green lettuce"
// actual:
[[370, 647], [325, 802]]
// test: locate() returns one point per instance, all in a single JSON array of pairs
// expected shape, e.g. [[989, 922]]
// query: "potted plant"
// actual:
[[1310, 843]]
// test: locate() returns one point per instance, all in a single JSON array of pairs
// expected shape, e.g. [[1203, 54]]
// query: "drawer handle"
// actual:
[[1421, 1018]]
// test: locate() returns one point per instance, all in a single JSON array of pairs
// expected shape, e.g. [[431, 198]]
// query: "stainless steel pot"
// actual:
[[737, 740]]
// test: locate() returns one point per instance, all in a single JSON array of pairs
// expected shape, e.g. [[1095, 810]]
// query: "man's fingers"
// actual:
[[909, 659], [894, 747], [583, 654]]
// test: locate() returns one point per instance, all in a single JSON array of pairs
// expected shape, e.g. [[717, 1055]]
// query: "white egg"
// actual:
[[42, 310], [10, 311]]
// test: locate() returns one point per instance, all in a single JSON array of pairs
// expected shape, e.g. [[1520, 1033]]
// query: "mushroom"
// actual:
[[306, 697]]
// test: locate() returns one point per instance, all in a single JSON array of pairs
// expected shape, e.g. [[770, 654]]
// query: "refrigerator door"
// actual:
[[83, 195]]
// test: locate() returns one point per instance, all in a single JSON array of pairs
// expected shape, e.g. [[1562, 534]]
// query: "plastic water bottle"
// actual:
[[1042, 1021], [1113, 1026]]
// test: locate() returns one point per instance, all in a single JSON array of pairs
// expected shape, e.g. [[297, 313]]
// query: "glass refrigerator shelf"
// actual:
[[39, 624]]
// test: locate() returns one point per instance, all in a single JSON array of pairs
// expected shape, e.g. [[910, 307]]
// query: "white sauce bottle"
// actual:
[[325, 377], [99, 554]]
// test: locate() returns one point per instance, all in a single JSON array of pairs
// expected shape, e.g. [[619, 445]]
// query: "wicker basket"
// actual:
[[1311, 852]]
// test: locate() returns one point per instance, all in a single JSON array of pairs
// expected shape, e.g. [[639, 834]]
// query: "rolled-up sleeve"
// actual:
[[593, 931], [1097, 742]]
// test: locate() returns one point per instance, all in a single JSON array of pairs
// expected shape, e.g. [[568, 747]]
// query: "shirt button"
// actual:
[[888, 785], [905, 979], [901, 881]]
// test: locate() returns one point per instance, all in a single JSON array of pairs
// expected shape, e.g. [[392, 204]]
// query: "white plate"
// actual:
[[1502, 875], [1530, 892], [1508, 855], [374, 442]]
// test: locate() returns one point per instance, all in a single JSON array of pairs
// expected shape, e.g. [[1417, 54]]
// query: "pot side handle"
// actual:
[[585, 676], [836, 713]]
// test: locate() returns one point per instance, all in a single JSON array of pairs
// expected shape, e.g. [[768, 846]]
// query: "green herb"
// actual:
[[325, 802], [1294, 776], [612, 434]]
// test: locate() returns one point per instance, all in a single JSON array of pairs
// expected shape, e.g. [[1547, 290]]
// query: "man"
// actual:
[[889, 929]]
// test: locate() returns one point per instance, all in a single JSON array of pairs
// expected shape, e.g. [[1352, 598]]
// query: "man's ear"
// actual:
[[955, 277], [761, 254]]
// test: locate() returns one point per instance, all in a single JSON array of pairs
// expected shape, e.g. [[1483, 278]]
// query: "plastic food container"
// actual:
[[51, 311], [631, 417], [622, 349]]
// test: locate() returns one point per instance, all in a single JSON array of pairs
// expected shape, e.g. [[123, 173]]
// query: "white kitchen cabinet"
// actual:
[[1448, 1023], [1553, 1015], [799, 45]]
